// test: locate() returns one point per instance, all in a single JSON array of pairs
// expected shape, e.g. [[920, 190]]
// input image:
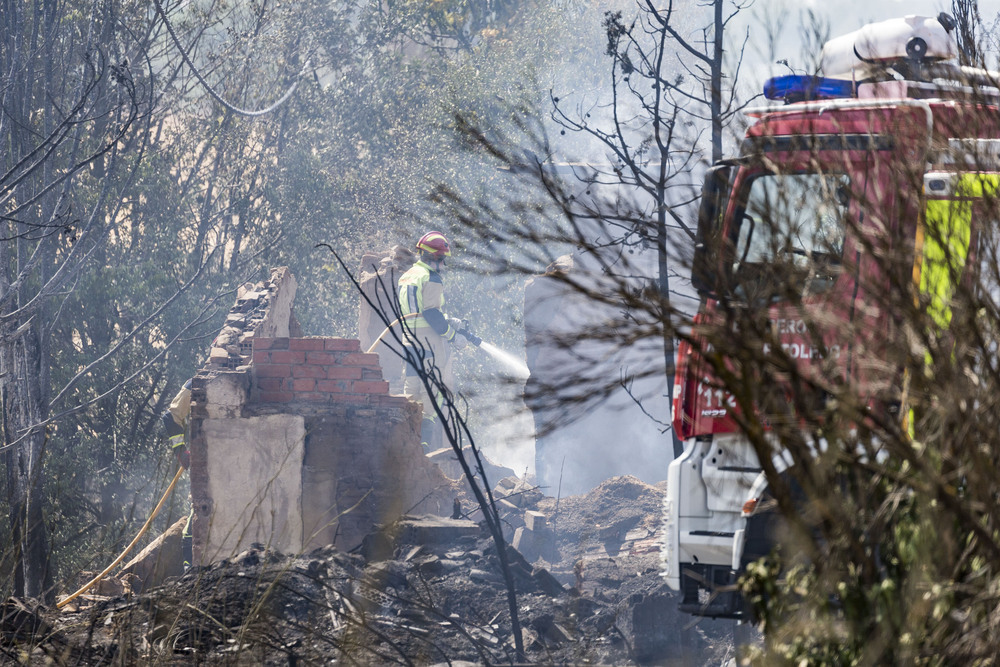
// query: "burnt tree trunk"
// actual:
[[21, 363]]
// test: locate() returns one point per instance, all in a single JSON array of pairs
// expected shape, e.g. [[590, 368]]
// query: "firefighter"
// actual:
[[175, 422], [431, 334]]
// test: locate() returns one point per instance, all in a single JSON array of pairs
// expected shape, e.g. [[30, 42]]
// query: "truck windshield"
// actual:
[[791, 234]]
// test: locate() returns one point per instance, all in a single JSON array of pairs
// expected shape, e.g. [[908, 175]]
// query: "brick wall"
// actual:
[[296, 441], [318, 370]]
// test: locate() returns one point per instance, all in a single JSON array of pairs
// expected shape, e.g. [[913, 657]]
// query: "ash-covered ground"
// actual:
[[422, 591]]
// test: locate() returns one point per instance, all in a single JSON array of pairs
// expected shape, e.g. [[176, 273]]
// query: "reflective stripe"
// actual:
[[411, 293], [944, 241], [414, 302]]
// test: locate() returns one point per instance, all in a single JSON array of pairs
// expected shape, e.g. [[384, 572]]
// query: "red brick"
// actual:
[[276, 396], [371, 373], [308, 344], [281, 357], [352, 398], [333, 386], [343, 372], [270, 343], [262, 343], [326, 358], [299, 356], [343, 344], [369, 387], [314, 396], [307, 371], [261, 356], [360, 359], [390, 401], [273, 371], [271, 384], [303, 384]]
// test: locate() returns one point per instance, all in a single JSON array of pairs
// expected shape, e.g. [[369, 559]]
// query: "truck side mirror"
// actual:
[[714, 196]]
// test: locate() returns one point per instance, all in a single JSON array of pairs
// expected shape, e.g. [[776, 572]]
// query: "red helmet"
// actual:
[[435, 245]]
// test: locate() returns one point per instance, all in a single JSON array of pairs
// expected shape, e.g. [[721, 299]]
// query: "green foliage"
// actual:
[[198, 200]]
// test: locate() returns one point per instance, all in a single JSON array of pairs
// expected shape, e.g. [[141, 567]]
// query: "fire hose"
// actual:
[[386, 330], [471, 337], [156, 510]]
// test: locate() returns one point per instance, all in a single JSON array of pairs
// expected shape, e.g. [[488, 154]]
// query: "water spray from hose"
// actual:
[[517, 368], [514, 366]]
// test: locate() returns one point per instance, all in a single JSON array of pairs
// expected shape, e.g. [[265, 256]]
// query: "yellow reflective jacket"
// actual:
[[421, 291]]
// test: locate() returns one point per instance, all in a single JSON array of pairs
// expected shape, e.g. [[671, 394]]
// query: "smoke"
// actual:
[[509, 438]]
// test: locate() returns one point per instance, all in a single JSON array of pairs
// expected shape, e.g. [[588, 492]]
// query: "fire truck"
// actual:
[[893, 148]]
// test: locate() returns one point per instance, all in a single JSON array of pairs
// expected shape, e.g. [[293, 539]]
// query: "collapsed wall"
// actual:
[[296, 441]]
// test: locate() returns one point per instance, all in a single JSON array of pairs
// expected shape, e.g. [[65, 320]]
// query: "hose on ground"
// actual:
[[149, 522]]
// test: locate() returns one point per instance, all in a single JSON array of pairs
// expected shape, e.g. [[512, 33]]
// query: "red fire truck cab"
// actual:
[[893, 139]]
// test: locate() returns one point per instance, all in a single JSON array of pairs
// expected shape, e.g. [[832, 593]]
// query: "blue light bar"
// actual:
[[799, 88]]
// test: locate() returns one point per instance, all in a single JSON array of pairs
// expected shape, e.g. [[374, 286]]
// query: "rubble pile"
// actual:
[[422, 590]]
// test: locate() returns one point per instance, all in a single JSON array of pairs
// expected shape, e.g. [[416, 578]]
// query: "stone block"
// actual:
[[162, 558], [552, 631], [507, 483], [534, 545], [254, 473], [507, 507], [654, 627], [547, 583], [523, 543], [436, 530], [535, 520], [226, 395]]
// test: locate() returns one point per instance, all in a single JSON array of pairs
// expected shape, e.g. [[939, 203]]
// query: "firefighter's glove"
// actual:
[[455, 323], [459, 341]]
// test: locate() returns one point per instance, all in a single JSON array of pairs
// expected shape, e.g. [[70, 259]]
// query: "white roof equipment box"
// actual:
[[861, 54]]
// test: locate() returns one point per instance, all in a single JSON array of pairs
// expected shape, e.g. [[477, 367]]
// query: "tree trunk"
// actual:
[[716, 67], [23, 410]]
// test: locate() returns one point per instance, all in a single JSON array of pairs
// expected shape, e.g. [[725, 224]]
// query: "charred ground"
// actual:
[[420, 591]]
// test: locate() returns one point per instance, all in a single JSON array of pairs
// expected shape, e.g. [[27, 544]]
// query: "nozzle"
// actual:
[[469, 336]]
